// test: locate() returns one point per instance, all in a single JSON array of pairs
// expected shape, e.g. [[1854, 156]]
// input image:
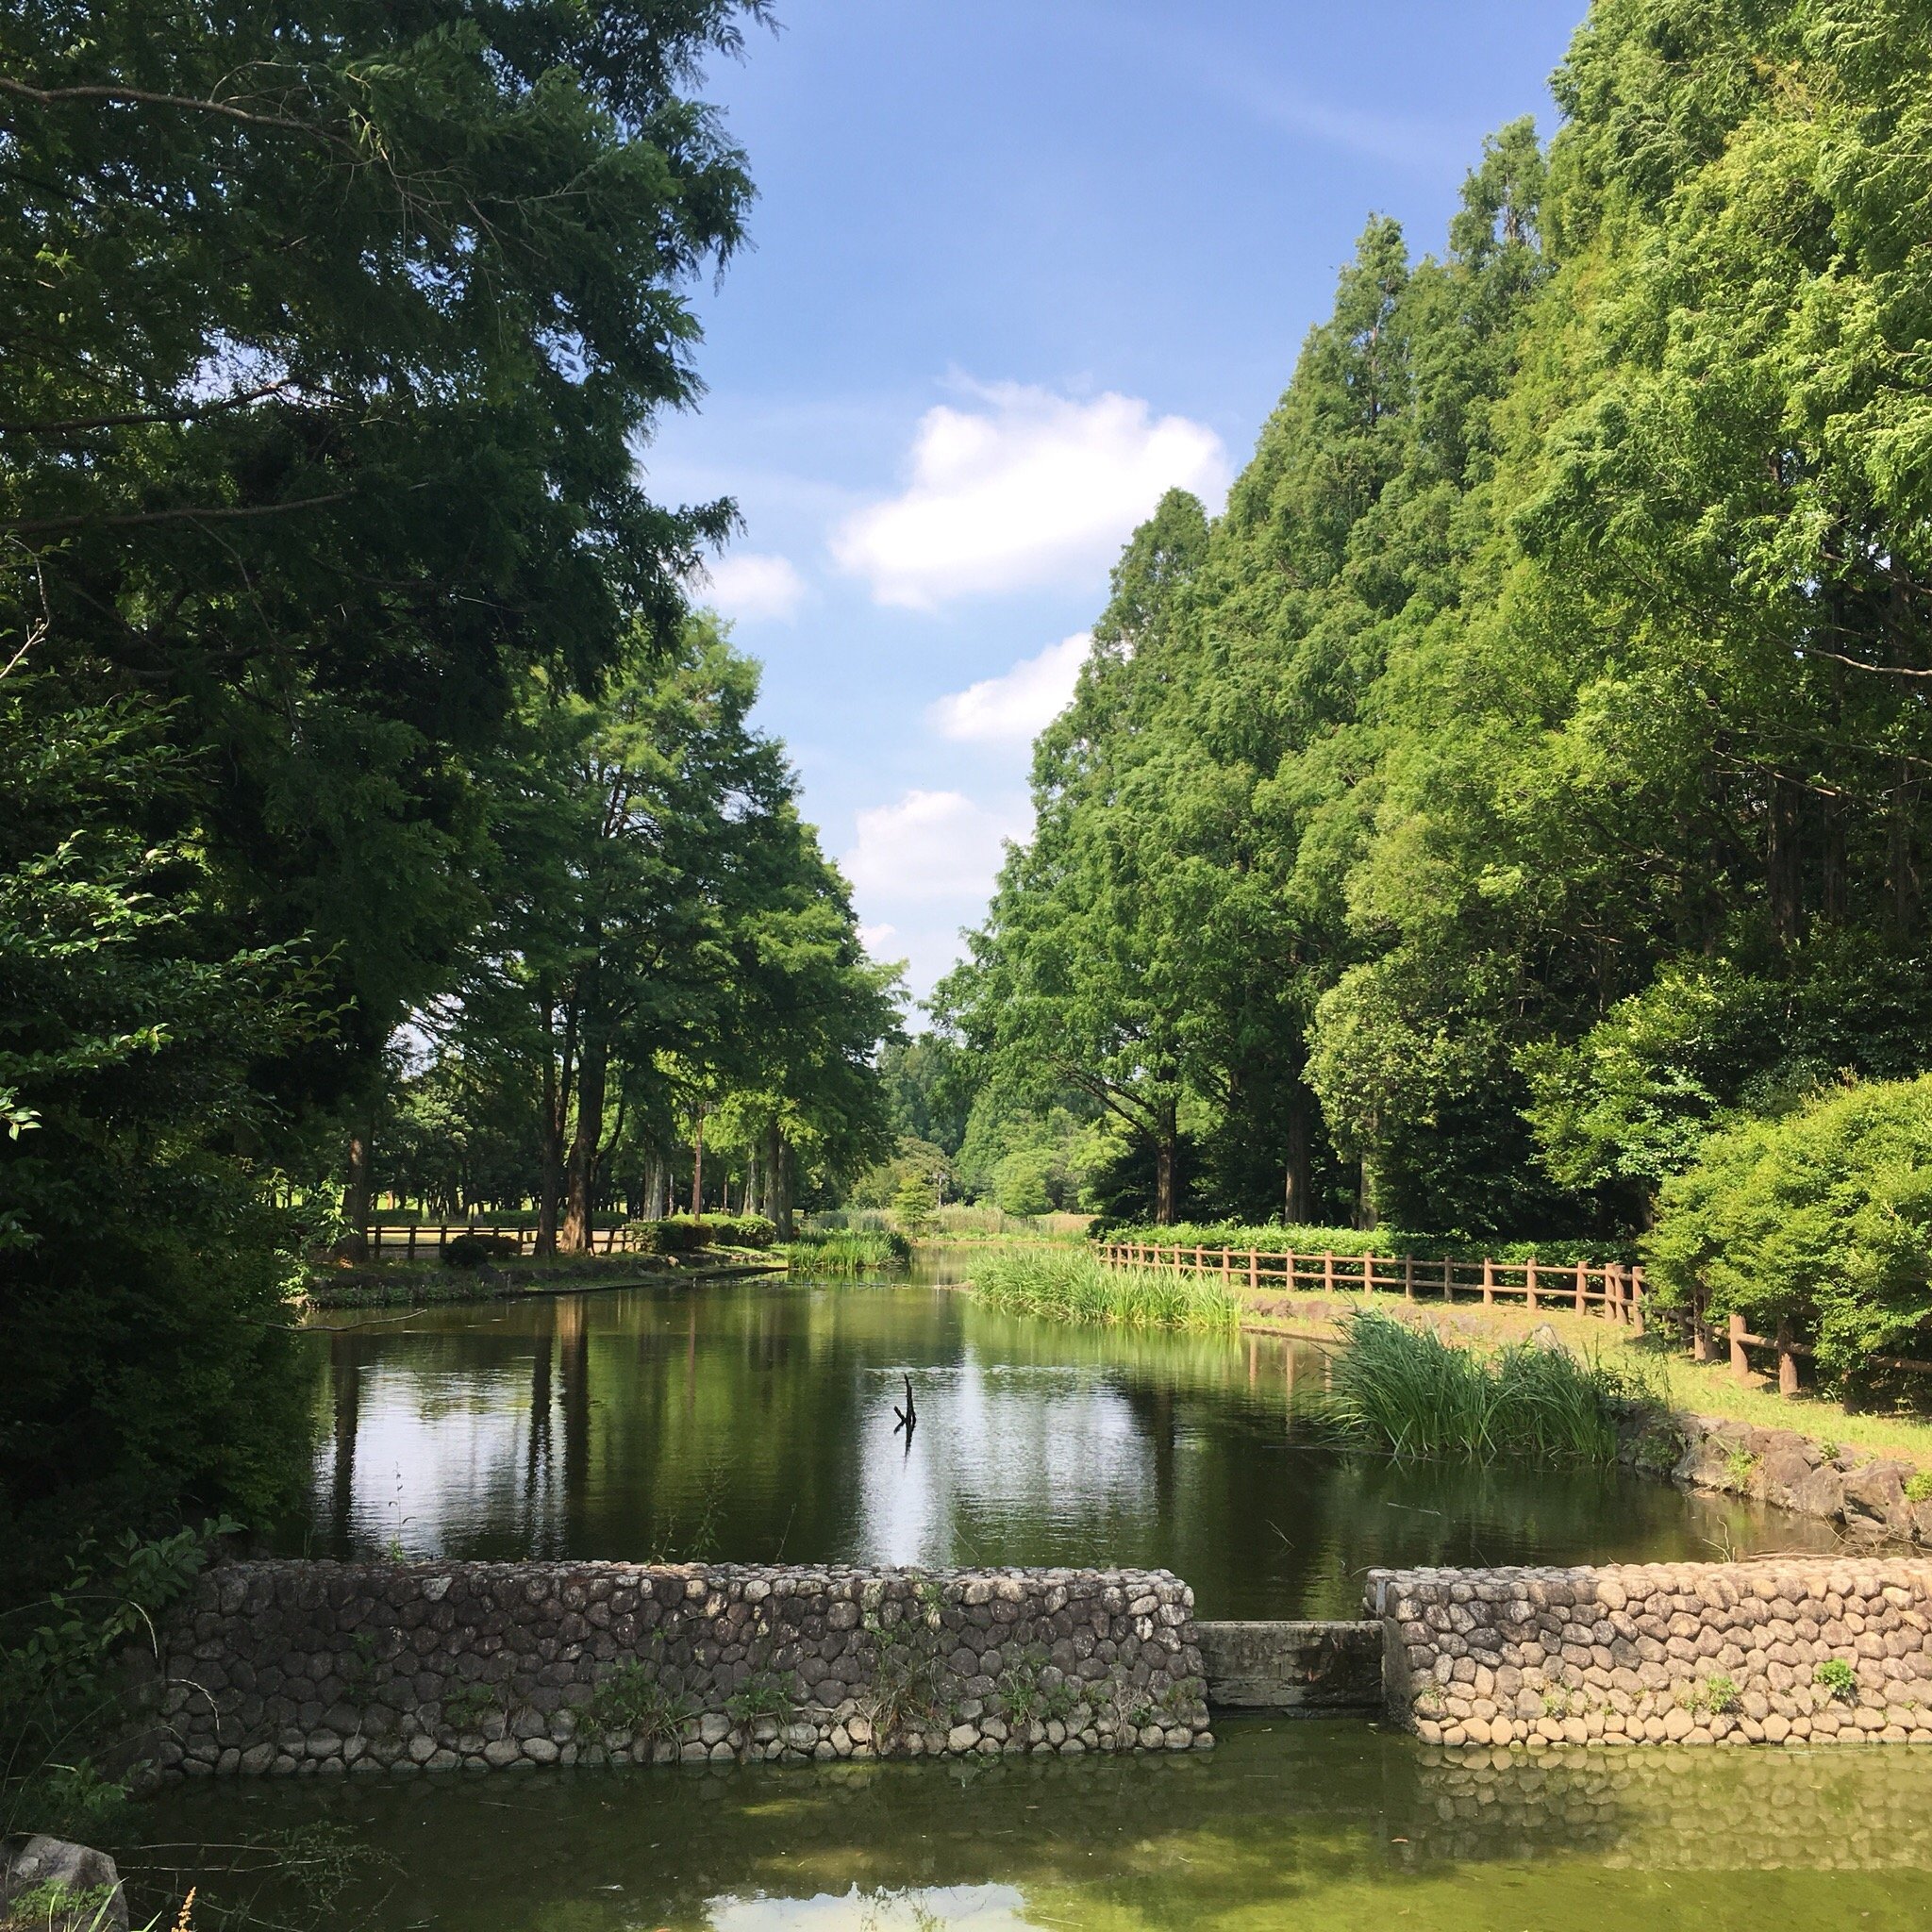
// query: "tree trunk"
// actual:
[[555, 1102], [1166, 1150], [698, 1167], [1785, 863], [781, 1185], [357, 1196], [1298, 1182], [1367, 1215], [580, 1178]]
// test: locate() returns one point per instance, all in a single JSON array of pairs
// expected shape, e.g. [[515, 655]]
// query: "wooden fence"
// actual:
[[1613, 1290], [412, 1238]]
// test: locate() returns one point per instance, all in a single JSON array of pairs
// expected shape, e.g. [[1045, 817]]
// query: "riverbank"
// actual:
[[1869, 1475], [429, 1284]]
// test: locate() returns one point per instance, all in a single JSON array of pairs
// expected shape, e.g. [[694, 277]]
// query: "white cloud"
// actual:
[[1030, 489], [749, 585], [1013, 707], [875, 939], [928, 845]]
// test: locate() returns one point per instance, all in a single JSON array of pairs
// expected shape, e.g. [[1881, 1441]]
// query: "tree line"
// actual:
[[359, 750], [1528, 768]]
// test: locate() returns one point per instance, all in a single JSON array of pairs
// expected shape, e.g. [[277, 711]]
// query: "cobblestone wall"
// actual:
[[322, 1669], [1775, 1651]]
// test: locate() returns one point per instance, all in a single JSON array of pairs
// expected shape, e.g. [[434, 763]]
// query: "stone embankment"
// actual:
[[1775, 1651], [324, 1669], [1299, 1668], [1868, 1496]]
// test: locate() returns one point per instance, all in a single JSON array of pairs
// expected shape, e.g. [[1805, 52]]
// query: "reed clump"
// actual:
[[1409, 1392], [849, 1251], [1073, 1287]]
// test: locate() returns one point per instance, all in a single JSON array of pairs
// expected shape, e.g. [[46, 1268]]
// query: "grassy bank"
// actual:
[[1274, 1239], [1071, 1287], [1407, 1390], [849, 1251]]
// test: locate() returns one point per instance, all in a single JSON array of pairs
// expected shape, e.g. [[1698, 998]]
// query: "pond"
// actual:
[[756, 1421], [1316, 1826]]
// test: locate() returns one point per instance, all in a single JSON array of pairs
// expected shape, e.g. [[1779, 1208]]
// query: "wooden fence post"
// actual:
[[1741, 1362], [1637, 1303], [411, 1255], [1786, 1360], [1408, 1278], [1254, 1268], [1329, 1271], [1529, 1284], [1489, 1282], [1582, 1286]]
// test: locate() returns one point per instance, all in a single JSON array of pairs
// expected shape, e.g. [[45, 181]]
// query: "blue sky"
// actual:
[[1017, 268]]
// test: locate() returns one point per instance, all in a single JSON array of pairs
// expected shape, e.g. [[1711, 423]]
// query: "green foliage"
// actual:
[[474, 1250], [849, 1251], [1526, 772], [465, 1708], [142, 1268], [632, 1702], [767, 1693], [287, 547], [1407, 1390], [914, 1203], [62, 1680], [1821, 1217], [1067, 1286], [1837, 1676], [1918, 1487], [683, 1234]]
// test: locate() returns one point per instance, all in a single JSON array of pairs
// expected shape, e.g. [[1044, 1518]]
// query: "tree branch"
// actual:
[[33, 527], [136, 96], [187, 413]]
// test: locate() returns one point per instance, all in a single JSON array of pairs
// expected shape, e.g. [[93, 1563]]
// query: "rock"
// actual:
[[89, 1879]]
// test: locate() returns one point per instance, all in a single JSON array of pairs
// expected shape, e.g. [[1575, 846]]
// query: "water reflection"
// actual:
[[756, 1421], [1318, 1826]]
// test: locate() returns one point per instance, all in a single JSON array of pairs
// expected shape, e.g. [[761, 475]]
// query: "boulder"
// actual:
[[73, 1888]]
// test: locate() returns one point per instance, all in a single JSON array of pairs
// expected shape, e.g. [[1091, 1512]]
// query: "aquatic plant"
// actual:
[[1068, 1286], [1407, 1390], [849, 1251]]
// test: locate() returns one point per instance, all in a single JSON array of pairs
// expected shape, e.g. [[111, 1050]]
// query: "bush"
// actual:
[[1407, 1390], [683, 1233], [472, 1250], [1820, 1218]]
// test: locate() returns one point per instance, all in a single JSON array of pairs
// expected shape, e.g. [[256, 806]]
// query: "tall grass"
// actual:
[[1073, 1287], [1407, 1390], [849, 1251]]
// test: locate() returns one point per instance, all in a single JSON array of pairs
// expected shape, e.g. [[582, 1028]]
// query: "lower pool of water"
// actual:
[[1317, 1826]]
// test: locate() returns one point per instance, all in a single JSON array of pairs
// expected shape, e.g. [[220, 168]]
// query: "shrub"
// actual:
[[472, 1250], [1822, 1217], [1407, 1390], [685, 1234], [1068, 1286]]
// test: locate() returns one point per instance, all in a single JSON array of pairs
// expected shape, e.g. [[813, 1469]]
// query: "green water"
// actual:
[[1313, 1826], [756, 1421]]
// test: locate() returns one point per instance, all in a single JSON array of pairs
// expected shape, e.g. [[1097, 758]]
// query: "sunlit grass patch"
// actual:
[[1073, 1287]]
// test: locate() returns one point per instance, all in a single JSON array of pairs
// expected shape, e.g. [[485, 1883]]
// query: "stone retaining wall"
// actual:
[[312, 1669], [1696, 1653]]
